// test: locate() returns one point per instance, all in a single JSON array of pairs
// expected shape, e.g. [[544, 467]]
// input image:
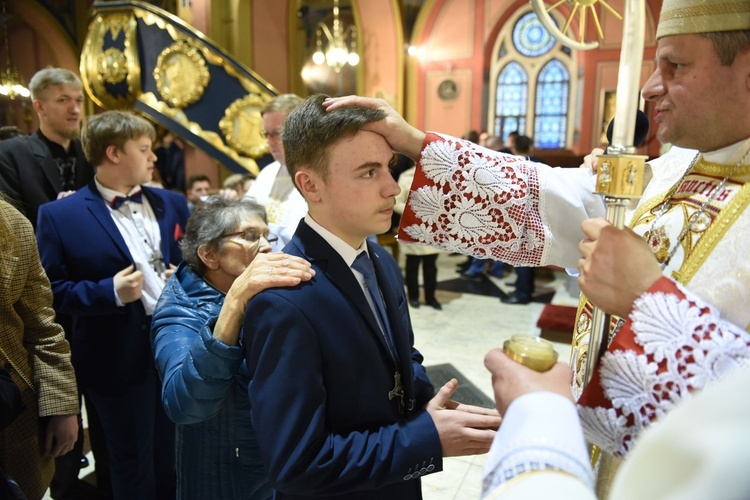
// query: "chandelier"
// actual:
[[341, 44], [11, 84]]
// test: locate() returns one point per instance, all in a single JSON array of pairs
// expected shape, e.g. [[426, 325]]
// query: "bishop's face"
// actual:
[[699, 103]]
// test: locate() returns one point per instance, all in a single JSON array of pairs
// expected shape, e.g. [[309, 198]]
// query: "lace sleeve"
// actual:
[[672, 344], [490, 205]]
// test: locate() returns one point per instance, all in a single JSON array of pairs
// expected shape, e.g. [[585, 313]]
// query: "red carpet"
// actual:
[[557, 323]]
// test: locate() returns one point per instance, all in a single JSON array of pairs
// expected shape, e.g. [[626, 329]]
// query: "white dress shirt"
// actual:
[[139, 228]]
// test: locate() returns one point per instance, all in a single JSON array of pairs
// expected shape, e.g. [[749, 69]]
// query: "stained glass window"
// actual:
[[551, 107], [533, 76], [511, 99], [530, 38]]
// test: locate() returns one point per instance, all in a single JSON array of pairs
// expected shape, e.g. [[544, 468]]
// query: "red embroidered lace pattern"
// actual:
[[476, 201], [682, 345]]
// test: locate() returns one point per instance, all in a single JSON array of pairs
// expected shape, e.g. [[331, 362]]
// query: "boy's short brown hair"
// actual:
[[112, 128]]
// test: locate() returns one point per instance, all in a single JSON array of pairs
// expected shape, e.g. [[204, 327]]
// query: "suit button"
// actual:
[[423, 471], [407, 477], [430, 468]]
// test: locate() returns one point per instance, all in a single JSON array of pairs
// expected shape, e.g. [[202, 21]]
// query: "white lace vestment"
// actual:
[[479, 202]]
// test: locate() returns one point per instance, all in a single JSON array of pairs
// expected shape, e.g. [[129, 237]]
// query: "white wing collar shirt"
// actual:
[[139, 228]]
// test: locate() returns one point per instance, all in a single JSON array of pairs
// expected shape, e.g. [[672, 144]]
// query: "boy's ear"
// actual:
[[112, 154], [308, 184]]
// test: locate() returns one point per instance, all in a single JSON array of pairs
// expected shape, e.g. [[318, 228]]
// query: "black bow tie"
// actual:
[[119, 200]]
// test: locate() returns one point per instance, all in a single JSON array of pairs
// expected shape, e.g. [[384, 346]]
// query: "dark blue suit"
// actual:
[[81, 250], [321, 372]]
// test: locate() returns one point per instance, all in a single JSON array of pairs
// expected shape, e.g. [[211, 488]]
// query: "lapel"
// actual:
[[98, 209], [320, 253], [44, 158], [158, 206]]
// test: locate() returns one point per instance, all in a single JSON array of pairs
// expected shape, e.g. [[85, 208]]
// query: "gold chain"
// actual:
[[698, 213]]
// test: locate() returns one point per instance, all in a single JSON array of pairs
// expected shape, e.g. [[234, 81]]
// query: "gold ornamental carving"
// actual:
[[242, 125], [100, 67], [178, 115], [181, 74], [113, 65]]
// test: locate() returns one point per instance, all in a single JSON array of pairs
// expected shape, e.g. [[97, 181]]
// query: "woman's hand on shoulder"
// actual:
[[270, 270]]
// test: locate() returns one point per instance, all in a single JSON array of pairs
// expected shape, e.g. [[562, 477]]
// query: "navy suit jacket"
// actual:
[[321, 373], [29, 174], [81, 250]]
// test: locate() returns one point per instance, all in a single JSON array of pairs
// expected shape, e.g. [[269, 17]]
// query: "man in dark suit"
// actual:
[[340, 401], [107, 250], [37, 169]]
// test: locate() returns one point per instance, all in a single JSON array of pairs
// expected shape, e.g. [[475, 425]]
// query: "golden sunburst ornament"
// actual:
[[573, 7]]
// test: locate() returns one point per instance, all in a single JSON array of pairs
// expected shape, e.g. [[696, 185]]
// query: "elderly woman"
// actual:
[[195, 334]]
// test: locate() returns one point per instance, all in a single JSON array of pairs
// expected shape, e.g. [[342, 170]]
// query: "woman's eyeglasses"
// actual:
[[252, 236]]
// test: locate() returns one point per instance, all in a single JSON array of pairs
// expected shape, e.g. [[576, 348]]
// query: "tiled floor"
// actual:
[[461, 334]]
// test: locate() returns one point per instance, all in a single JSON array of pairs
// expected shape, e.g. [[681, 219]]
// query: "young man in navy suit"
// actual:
[[108, 250], [341, 403]]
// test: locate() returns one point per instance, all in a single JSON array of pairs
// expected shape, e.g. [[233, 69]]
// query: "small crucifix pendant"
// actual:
[[157, 263], [397, 391]]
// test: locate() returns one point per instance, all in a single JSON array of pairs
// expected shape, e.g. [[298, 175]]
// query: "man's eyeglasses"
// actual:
[[271, 135], [252, 236]]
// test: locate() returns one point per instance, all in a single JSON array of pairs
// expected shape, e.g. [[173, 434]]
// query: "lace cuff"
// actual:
[[472, 200], [673, 343]]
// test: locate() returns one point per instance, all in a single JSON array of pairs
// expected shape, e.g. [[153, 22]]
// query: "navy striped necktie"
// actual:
[[363, 264]]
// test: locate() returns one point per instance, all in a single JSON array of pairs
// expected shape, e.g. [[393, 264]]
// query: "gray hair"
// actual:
[[42, 79], [214, 218], [283, 102]]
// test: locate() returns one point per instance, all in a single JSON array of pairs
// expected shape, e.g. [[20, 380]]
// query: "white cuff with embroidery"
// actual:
[[540, 431]]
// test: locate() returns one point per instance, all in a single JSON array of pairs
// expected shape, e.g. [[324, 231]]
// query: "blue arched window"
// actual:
[[511, 100], [551, 109], [532, 83]]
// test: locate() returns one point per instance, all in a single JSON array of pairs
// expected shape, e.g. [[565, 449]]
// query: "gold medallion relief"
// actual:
[[181, 74], [242, 125]]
